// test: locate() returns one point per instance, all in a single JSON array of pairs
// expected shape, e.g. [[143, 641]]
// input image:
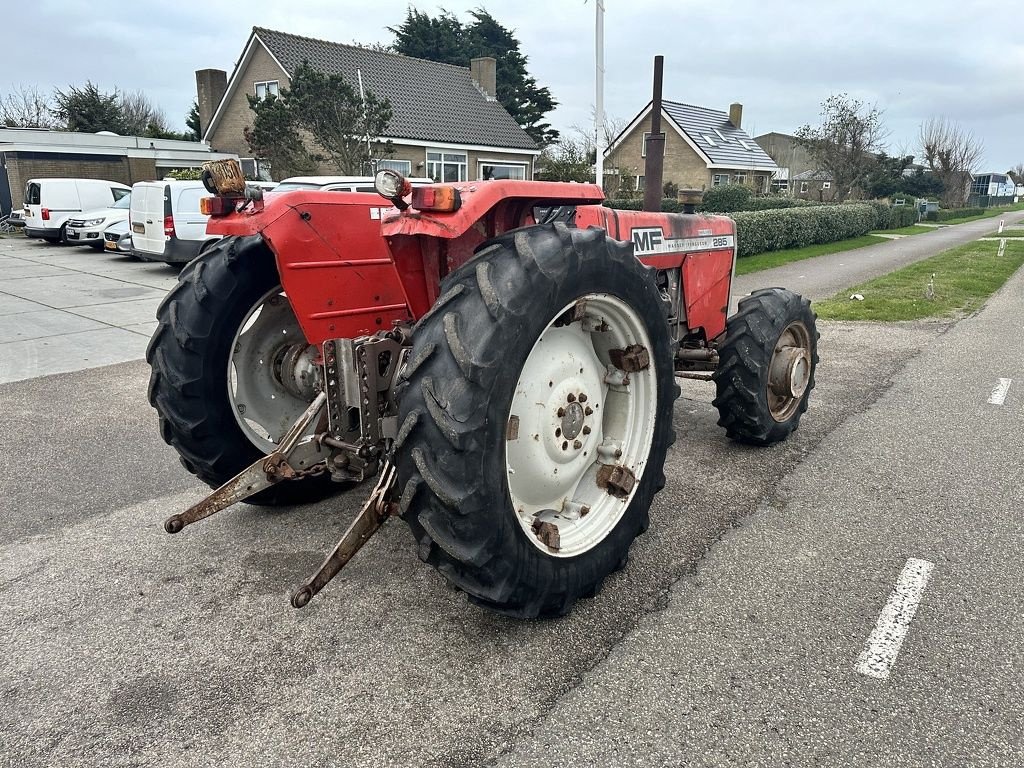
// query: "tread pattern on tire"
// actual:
[[741, 378], [188, 355], [455, 393]]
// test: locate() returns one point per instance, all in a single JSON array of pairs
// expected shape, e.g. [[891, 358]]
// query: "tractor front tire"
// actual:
[[191, 353], [535, 413], [766, 367]]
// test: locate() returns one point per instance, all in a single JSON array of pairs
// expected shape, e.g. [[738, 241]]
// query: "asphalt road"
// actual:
[[729, 639], [823, 276]]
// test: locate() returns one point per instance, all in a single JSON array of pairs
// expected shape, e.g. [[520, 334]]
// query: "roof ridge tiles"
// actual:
[[395, 54]]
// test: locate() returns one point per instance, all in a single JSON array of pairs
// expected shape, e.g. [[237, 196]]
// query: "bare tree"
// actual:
[[141, 116], [1017, 173], [953, 154], [847, 142], [26, 107]]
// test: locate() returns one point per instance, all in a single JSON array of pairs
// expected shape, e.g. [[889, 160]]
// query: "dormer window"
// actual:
[[711, 142]]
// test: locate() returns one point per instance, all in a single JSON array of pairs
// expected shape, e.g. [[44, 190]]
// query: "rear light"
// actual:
[[168, 226], [216, 206], [436, 199], [45, 213]]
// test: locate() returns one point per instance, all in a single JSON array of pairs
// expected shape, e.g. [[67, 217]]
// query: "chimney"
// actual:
[[736, 115], [210, 87], [484, 72]]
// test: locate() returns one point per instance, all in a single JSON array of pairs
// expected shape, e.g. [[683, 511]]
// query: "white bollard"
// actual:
[[1001, 221]]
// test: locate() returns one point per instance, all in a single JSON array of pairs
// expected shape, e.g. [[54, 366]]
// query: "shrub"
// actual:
[[945, 214], [726, 198], [775, 230]]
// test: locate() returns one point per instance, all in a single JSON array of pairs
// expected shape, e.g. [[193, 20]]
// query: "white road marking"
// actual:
[[883, 646], [1002, 247], [999, 391]]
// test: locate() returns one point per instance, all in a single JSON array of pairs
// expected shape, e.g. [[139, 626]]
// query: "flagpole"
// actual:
[[599, 95]]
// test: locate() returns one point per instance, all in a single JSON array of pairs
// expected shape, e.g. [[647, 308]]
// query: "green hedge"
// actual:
[[776, 230], [891, 216], [945, 214]]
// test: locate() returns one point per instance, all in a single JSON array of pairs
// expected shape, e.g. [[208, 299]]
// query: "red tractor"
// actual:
[[502, 355]]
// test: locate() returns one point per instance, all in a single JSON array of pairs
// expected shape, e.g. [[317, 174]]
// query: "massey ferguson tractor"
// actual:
[[501, 356]]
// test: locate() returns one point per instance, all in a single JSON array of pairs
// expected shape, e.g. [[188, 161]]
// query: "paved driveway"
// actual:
[[65, 308]]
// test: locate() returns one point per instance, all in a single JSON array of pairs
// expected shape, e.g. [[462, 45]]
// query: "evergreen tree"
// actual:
[[447, 40], [89, 110], [192, 122]]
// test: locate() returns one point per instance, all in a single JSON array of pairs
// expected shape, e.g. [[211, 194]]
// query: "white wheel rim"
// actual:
[[553, 462], [261, 403]]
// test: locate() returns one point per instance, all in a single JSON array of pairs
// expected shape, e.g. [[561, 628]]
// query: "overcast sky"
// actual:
[[780, 59]]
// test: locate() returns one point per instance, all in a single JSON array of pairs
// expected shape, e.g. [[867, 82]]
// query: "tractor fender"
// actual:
[[480, 198]]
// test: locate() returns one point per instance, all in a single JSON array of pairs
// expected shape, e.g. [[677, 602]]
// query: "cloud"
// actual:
[[780, 59]]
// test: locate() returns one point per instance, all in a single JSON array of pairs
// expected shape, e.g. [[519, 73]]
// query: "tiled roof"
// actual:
[[430, 101], [720, 140], [813, 175]]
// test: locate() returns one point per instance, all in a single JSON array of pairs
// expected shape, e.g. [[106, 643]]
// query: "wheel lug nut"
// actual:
[[586, 430], [561, 412], [577, 444], [558, 432], [589, 411], [583, 397], [565, 445], [571, 397]]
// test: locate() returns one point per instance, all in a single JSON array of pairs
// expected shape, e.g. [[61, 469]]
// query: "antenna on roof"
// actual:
[[366, 120]]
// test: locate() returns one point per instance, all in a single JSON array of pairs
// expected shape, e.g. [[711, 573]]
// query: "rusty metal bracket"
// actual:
[[371, 517], [633, 358], [261, 474], [617, 480]]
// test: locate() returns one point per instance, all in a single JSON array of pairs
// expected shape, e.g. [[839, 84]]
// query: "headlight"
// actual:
[[95, 222]]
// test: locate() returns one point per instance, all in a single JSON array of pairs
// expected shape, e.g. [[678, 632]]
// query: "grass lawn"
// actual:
[[759, 261], [964, 277], [913, 229], [1008, 232]]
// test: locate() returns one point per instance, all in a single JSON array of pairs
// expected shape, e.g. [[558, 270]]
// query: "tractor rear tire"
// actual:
[[189, 354], [469, 413], [766, 367]]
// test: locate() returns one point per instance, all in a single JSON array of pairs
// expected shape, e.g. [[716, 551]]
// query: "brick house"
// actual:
[[703, 148], [819, 186], [446, 121]]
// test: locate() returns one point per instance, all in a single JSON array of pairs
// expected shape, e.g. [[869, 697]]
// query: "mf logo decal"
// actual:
[[651, 240]]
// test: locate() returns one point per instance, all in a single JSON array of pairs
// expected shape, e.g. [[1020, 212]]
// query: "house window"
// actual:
[[741, 178], [643, 146], [404, 167], [515, 171], [803, 187], [639, 183], [265, 88], [719, 179], [826, 184], [446, 166]]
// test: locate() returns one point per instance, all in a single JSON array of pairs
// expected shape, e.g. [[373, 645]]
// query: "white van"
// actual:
[[165, 221], [49, 203]]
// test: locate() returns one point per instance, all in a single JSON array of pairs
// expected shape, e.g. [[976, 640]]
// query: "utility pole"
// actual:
[[599, 95]]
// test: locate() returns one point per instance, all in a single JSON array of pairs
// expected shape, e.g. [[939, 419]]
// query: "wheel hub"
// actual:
[[580, 422], [572, 421], [790, 372]]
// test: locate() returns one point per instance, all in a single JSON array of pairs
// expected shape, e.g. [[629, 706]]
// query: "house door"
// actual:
[[5, 188]]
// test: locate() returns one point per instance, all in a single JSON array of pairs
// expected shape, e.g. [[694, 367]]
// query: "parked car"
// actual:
[[88, 228], [166, 223], [337, 183], [50, 203], [16, 218], [117, 238]]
